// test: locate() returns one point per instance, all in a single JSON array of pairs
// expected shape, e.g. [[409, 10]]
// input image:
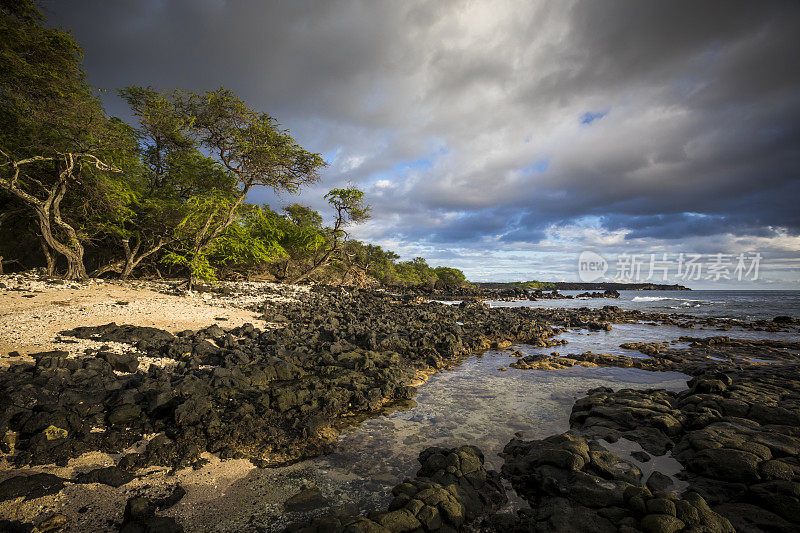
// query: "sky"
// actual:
[[505, 138]]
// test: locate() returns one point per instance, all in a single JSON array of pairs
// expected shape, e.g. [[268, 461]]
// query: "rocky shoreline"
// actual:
[[735, 432], [279, 395]]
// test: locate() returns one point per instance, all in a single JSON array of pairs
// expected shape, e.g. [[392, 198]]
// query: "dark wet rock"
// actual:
[[452, 489], [658, 482], [30, 486], [647, 417], [475, 303], [278, 396], [273, 396], [748, 517], [281, 395], [307, 499], [111, 476], [124, 414], [661, 523], [545, 362], [725, 464], [15, 526], [125, 333], [640, 455], [652, 349], [575, 485], [140, 517], [176, 495], [735, 433], [608, 293], [121, 362]]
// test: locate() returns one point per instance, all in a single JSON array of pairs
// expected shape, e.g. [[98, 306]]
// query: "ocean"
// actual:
[[745, 305]]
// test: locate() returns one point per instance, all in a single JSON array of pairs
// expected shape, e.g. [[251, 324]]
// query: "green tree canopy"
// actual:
[[450, 277], [57, 147], [243, 148]]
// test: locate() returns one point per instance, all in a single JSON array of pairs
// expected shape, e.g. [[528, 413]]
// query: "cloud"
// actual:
[[499, 126]]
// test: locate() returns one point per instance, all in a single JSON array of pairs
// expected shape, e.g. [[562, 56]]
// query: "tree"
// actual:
[[302, 238], [380, 263], [55, 136], [251, 148], [370, 259], [450, 277], [350, 209], [250, 243], [302, 215], [47, 205], [171, 177]]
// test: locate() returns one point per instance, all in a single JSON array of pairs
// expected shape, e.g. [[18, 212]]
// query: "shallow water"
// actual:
[[580, 341], [479, 404], [475, 403]]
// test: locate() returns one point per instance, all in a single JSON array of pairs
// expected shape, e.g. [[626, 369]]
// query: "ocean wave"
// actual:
[[686, 302]]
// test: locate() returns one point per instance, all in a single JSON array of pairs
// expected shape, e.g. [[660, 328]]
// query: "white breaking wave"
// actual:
[[685, 301]]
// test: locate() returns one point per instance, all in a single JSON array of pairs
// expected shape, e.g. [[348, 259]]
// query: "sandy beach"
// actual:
[[33, 312]]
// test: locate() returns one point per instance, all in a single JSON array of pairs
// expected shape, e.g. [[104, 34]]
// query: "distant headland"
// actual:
[[579, 286]]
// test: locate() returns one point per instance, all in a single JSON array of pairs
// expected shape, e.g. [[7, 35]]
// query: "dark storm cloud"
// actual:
[[502, 124]]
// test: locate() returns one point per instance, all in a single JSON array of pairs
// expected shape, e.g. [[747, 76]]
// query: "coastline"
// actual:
[[301, 320]]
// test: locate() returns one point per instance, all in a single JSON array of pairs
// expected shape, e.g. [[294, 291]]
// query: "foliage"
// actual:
[[373, 260], [249, 243], [168, 190], [197, 263], [302, 215], [248, 143], [58, 147], [416, 272], [349, 205], [450, 277], [537, 285]]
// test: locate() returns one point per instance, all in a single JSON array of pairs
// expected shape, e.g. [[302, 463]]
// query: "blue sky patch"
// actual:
[[538, 167], [591, 116]]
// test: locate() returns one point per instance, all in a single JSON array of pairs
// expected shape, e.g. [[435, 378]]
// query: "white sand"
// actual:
[[33, 312]]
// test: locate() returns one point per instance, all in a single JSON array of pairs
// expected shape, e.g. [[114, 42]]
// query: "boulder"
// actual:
[[307, 499], [111, 476], [120, 362]]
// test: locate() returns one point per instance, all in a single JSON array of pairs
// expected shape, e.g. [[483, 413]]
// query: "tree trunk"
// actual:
[[317, 265], [126, 271], [192, 282], [75, 268], [116, 266], [51, 205], [48, 257], [344, 276], [208, 234], [125, 267], [131, 261]]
